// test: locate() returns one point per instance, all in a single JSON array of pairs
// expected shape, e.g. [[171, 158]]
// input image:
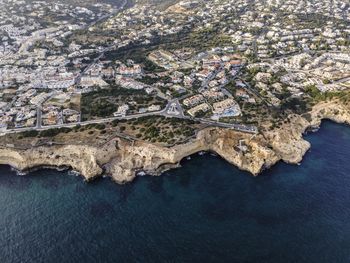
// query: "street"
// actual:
[[168, 112]]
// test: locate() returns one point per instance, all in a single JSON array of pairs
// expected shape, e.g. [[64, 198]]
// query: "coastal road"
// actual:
[[164, 112]]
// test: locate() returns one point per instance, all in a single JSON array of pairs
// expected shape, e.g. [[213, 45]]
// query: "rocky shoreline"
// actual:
[[122, 160]]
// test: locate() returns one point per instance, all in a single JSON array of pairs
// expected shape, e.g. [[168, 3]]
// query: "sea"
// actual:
[[205, 211]]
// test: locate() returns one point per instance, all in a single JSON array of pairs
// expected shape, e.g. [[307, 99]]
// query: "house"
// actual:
[[227, 107], [194, 100], [204, 107]]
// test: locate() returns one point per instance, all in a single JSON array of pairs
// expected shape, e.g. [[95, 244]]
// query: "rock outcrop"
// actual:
[[80, 158], [122, 159], [287, 141]]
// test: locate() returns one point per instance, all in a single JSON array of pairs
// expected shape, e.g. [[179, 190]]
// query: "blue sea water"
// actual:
[[206, 211]]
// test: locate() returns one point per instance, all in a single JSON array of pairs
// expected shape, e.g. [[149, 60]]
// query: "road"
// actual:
[[103, 51], [164, 112], [205, 83], [9, 105], [233, 126], [173, 109], [255, 92], [343, 80], [38, 117], [105, 17]]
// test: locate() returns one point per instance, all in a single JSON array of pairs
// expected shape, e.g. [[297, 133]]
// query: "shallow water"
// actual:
[[206, 211]]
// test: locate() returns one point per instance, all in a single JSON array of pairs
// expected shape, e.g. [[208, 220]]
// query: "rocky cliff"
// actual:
[[287, 141], [122, 159], [80, 158]]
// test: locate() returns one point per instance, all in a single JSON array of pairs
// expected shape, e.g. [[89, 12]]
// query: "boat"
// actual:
[[74, 173], [315, 129], [141, 173], [18, 172]]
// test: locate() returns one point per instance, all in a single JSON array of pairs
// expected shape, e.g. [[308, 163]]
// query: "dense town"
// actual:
[[224, 124], [225, 63]]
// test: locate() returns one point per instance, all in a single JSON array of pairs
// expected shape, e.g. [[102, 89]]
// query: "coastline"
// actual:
[[122, 160]]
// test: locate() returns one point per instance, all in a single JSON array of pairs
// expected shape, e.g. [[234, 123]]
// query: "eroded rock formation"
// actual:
[[121, 159]]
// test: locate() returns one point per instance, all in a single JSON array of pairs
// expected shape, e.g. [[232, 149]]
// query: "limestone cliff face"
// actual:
[[150, 158], [288, 142], [80, 158], [254, 159], [147, 157], [121, 159]]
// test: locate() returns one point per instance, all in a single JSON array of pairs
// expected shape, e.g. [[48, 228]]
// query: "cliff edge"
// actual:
[[122, 159]]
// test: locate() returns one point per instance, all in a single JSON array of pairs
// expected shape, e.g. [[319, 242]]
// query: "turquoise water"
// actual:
[[206, 211]]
